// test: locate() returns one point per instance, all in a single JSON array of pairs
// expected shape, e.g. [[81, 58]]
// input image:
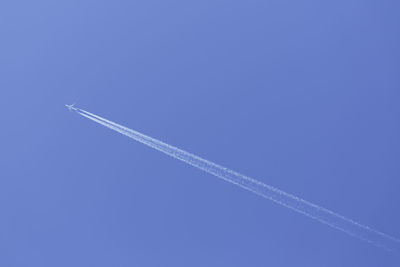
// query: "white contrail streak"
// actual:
[[297, 204]]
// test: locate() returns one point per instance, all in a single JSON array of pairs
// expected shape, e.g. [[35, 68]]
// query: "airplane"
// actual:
[[71, 107]]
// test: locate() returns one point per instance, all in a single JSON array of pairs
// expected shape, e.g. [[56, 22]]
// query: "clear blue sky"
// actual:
[[302, 95]]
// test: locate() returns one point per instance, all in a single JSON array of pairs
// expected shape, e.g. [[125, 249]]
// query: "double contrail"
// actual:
[[297, 204]]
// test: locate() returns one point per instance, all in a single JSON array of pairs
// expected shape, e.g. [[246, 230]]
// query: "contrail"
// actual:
[[297, 204]]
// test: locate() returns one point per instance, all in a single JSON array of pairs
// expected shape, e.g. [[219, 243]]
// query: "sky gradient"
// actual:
[[301, 95]]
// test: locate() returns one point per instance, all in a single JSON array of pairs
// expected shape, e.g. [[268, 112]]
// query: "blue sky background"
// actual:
[[302, 95]]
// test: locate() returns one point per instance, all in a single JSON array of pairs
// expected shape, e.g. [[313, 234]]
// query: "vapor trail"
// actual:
[[297, 204]]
